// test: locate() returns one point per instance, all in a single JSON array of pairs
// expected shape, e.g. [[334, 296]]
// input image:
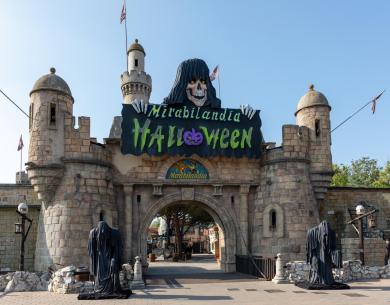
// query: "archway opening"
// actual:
[[185, 237]]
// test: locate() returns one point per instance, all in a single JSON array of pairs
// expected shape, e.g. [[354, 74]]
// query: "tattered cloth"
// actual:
[[105, 251], [322, 255]]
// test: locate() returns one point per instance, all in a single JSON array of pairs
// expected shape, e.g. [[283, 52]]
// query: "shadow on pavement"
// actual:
[[182, 296]]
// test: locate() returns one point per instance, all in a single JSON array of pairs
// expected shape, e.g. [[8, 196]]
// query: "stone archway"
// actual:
[[221, 216]]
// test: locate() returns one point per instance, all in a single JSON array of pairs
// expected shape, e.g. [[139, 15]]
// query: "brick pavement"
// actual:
[[229, 292]]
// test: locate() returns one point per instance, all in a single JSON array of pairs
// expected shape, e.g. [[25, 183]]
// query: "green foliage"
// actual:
[[340, 176], [363, 172], [181, 218], [384, 177]]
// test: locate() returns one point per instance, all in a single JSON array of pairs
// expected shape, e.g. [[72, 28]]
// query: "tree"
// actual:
[[364, 172], [181, 218], [341, 175], [384, 177]]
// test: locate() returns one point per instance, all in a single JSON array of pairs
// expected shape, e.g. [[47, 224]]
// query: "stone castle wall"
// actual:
[[320, 154], [335, 206], [374, 250], [10, 196]]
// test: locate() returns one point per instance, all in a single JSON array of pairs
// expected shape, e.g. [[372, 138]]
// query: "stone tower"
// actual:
[[136, 84], [313, 111], [71, 174], [50, 100]]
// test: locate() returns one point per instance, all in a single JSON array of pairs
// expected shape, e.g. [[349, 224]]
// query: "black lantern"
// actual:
[[18, 228], [22, 210]]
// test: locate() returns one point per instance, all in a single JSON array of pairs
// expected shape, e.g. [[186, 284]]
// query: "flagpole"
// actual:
[[357, 111], [127, 58], [21, 162]]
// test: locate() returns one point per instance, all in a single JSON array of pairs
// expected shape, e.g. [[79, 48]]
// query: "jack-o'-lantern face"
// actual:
[[197, 91]]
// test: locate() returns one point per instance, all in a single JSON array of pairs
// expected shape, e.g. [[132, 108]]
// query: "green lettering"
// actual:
[[136, 131], [158, 137], [233, 139], [246, 137], [164, 111], [171, 140], [212, 137], [206, 115], [214, 116], [186, 113], [155, 111], [178, 113], [145, 131], [222, 115], [180, 137], [237, 117], [224, 136]]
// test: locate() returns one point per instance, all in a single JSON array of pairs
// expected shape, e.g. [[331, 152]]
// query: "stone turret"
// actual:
[[313, 111], [136, 84], [50, 100]]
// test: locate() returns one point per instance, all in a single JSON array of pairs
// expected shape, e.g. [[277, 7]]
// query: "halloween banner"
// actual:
[[186, 130]]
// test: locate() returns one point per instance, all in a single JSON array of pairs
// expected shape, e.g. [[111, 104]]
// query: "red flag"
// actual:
[[20, 145], [123, 14], [215, 73], [373, 106]]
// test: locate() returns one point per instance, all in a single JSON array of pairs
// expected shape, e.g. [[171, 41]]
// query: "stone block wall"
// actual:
[[320, 153], [297, 271], [334, 208], [374, 250], [83, 197], [285, 184], [46, 138], [295, 141], [78, 141], [10, 196], [10, 242]]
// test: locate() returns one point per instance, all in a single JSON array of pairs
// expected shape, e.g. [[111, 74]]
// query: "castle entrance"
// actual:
[[194, 236], [184, 238]]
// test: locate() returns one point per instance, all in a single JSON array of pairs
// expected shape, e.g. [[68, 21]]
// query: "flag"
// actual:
[[20, 145], [215, 73], [373, 106], [123, 14]]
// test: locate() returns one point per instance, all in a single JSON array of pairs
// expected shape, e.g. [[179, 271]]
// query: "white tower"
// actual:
[[136, 84]]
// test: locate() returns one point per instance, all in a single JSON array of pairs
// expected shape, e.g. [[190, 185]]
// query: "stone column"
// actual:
[[280, 277], [243, 235], [128, 234], [137, 282]]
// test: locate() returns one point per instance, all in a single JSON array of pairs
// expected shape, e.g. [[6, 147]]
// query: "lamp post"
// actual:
[[20, 229], [360, 211]]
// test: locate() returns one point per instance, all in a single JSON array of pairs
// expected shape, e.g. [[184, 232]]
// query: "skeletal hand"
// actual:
[[140, 106], [248, 111]]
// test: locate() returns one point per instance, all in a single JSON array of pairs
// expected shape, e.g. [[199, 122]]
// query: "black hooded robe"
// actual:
[[104, 249]]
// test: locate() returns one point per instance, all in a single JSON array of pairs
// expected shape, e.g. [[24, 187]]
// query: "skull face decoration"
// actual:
[[193, 86], [197, 91]]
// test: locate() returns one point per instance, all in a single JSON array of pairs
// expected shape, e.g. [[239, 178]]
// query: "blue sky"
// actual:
[[268, 51]]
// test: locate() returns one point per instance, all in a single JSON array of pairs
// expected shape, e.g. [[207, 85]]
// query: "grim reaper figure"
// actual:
[[105, 250], [322, 255], [193, 86]]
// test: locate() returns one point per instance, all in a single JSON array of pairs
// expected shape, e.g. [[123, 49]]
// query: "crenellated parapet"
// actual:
[[79, 146], [136, 85]]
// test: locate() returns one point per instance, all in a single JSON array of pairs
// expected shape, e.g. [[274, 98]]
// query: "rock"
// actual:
[[24, 281]]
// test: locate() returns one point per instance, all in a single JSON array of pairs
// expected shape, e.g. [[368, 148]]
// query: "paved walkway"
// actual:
[[200, 263], [201, 282], [243, 292]]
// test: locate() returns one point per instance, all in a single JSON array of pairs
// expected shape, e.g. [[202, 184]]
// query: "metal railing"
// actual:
[[257, 266]]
